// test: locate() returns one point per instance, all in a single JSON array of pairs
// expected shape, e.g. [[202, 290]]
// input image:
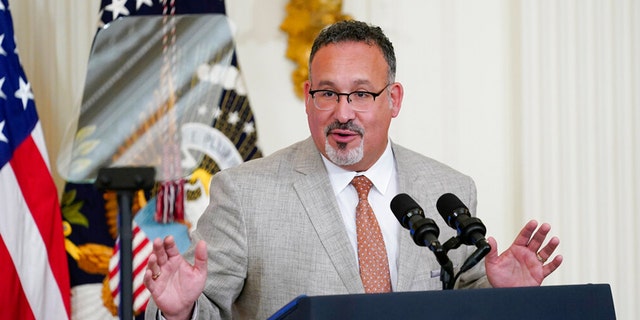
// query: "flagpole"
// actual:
[[126, 180]]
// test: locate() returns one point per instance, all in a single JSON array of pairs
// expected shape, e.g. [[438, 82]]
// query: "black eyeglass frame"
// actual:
[[348, 95]]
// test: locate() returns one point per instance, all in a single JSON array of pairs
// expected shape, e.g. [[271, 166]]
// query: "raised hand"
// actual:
[[524, 263], [174, 283]]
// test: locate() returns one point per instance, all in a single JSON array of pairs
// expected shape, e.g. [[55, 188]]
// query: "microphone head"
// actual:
[[403, 207], [449, 206]]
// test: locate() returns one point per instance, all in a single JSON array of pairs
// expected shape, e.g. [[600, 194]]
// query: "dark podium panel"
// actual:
[[590, 301]]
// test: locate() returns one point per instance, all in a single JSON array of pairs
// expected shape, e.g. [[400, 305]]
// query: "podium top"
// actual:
[[590, 301]]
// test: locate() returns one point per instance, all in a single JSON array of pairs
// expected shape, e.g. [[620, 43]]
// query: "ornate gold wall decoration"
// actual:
[[304, 19]]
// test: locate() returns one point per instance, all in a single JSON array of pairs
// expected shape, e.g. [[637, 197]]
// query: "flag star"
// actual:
[[2, 52], [217, 112], [3, 138], [15, 48], [233, 118], [248, 128], [2, 95], [139, 3], [24, 93], [2, 6], [101, 23], [117, 8]]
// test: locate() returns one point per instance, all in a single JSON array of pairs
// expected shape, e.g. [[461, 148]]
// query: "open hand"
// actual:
[[524, 263], [173, 282]]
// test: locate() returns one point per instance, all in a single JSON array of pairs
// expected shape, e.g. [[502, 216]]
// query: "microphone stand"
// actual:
[[126, 180], [469, 263], [452, 243], [446, 267]]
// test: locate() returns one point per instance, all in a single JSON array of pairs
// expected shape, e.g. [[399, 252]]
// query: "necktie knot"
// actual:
[[362, 185]]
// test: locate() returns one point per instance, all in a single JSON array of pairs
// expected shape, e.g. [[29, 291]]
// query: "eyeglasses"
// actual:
[[360, 101]]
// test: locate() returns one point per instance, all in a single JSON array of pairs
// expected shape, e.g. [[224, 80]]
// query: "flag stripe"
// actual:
[[141, 249], [141, 265], [31, 220], [142, 299], [37, 185], [12, 293]]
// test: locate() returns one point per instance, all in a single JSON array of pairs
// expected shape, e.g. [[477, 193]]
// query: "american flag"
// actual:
[[34, 277]]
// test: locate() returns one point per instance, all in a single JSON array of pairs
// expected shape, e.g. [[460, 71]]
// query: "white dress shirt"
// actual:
[[383, 174]]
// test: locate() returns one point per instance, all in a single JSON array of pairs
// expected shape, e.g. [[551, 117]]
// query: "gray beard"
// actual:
[[341, 157]]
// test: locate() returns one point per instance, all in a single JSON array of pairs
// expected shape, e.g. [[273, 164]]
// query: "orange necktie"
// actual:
[[372, 254]]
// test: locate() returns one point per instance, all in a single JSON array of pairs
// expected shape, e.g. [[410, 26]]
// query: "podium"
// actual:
[[589, 301]]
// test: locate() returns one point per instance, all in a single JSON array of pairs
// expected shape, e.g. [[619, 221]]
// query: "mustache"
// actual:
[[344, 126]]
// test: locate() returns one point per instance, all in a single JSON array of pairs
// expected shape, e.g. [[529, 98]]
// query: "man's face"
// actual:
[[352, 140]]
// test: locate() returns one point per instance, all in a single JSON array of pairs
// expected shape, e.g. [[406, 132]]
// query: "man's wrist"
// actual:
[[192, 314]]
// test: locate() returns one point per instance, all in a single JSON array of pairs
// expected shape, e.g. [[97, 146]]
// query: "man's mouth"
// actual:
[[343, 136]]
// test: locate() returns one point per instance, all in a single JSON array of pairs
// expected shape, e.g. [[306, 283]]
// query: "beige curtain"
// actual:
[[580, 140], [54, 39]]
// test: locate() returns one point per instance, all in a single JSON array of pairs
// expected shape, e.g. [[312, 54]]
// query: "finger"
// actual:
[[149, 272], [148, 282], [493, 253], [152, 264], [551, 266], [200, 259], [548, 250], [538, 237], [170, 247], [158, 250], [525, 234]]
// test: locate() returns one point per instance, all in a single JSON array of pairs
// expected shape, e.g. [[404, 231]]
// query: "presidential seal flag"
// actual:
[[164, 89], [34, 278]]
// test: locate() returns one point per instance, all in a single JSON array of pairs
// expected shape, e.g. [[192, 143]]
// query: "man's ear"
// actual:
[[396, 93]]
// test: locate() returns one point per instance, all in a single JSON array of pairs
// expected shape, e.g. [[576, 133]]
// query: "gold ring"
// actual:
[[155, 275], [537, 255]]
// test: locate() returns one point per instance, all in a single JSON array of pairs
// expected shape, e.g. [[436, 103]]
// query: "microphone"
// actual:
[[424, 231], [470, 229]]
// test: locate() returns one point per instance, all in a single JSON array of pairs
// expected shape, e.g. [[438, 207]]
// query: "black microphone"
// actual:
[[424, 231], [471, 230]]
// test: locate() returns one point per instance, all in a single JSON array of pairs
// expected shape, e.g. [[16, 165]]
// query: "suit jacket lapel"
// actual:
[[315, 193], [412, 183]]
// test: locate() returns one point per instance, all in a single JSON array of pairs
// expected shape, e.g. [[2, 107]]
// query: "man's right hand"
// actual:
[[173, 282]]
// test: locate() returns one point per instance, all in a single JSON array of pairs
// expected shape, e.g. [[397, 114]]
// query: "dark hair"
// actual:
[[357, 31]]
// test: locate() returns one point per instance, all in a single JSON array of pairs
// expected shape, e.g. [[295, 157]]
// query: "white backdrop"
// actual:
[[537, 100]]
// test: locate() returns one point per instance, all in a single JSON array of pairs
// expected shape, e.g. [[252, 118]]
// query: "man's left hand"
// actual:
[[525, 262]]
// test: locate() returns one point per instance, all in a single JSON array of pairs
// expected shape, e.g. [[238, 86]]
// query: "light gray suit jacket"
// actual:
[[274, 231]]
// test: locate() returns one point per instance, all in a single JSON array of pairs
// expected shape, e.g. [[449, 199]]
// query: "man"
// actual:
[[285, 225]]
